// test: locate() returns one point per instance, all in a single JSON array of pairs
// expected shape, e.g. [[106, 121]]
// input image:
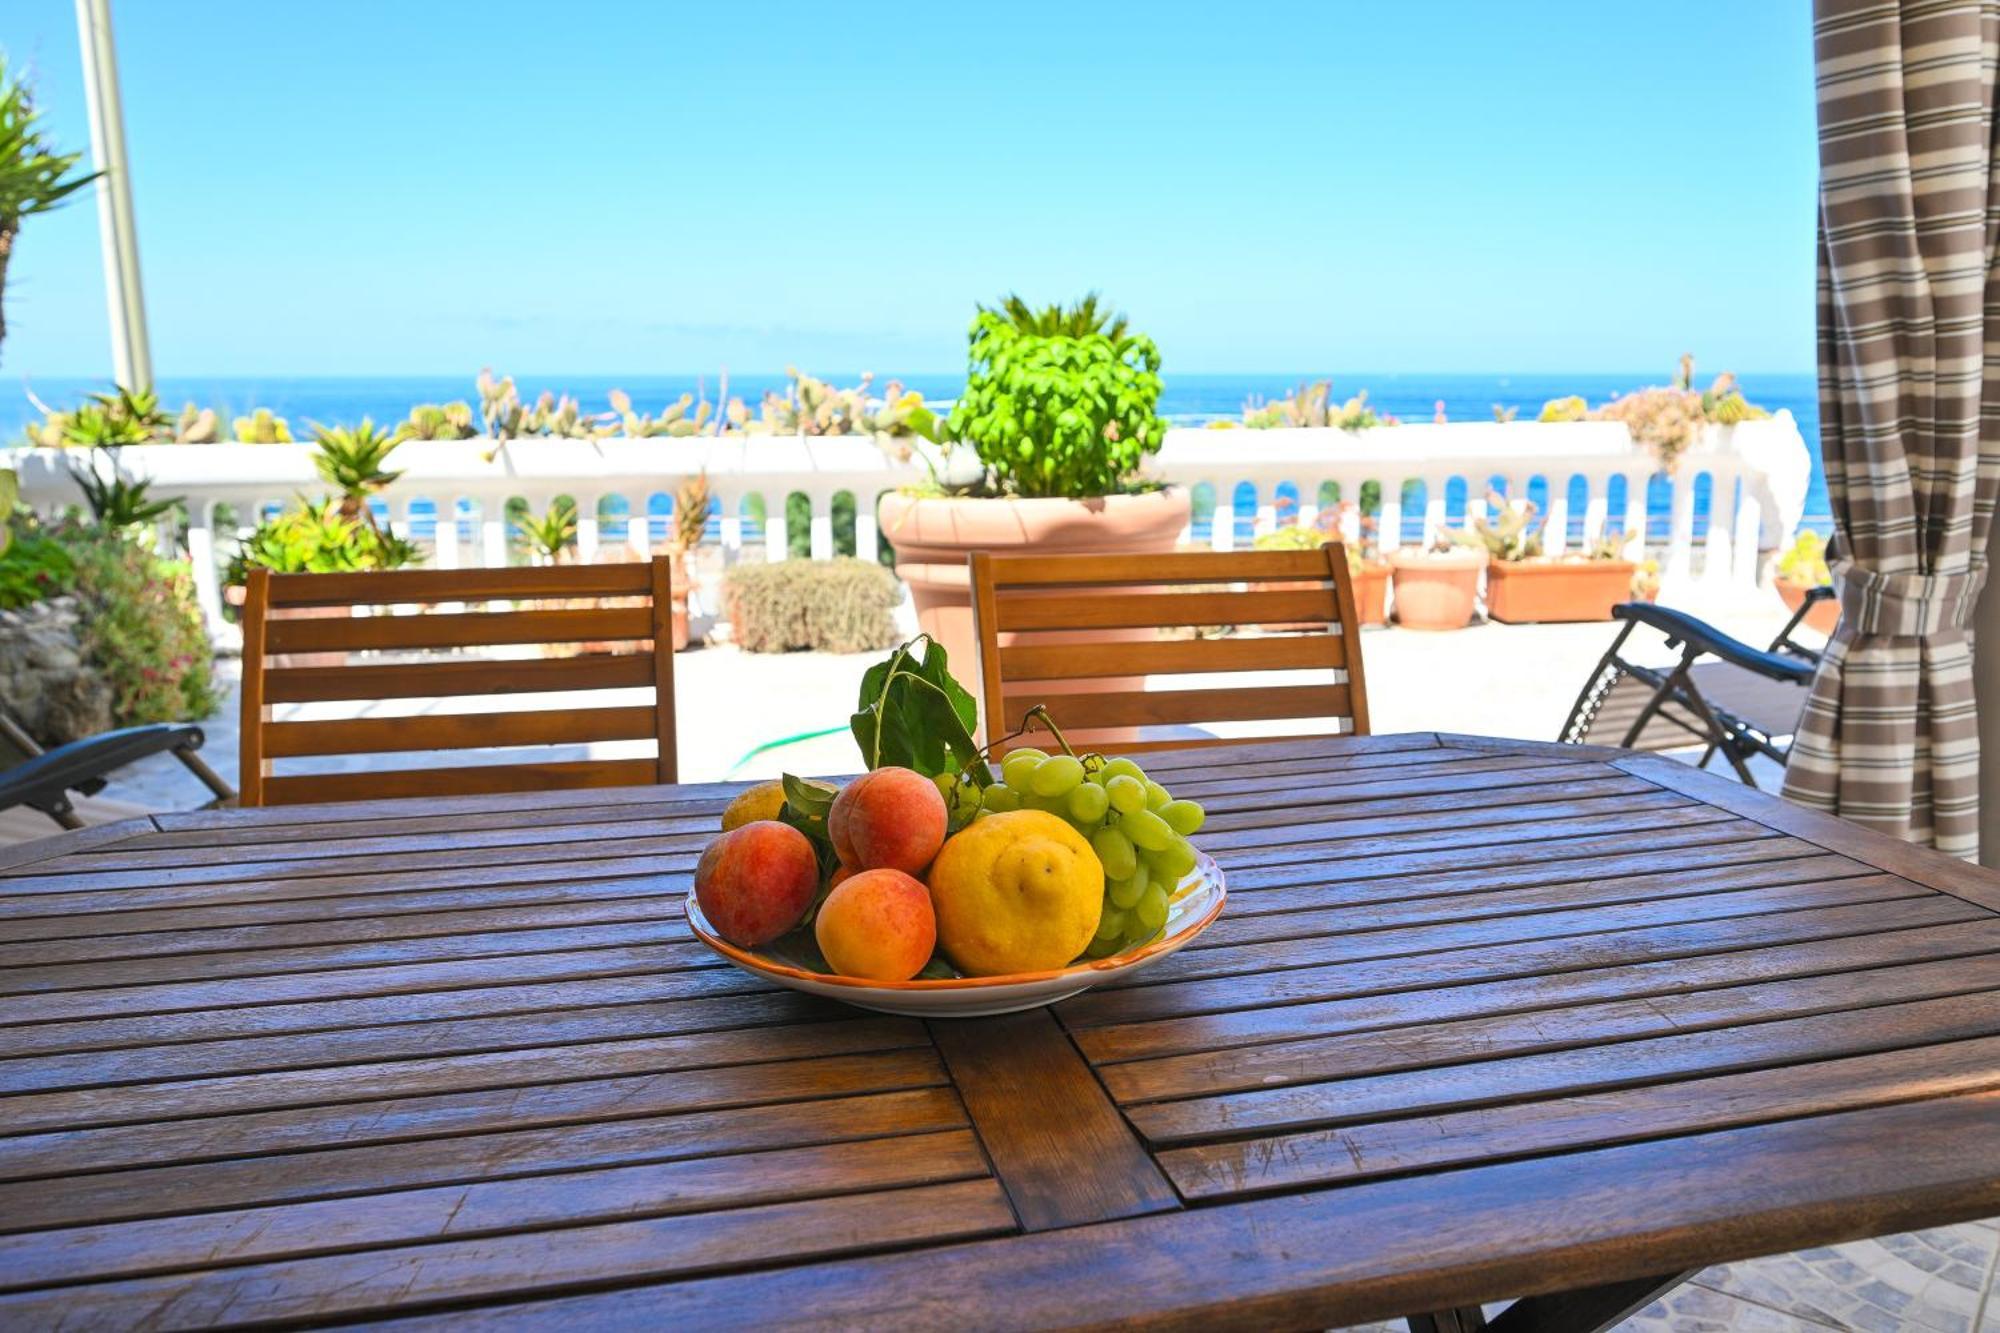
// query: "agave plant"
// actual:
[[352, 462], [550, 538], [109, 420], [1514, 533], [117, 502], [262, 427]]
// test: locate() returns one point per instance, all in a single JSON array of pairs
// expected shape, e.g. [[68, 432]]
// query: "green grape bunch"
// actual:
[[1137, 828]]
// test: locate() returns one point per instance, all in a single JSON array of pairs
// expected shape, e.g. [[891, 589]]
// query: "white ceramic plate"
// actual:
[[1196, 903]]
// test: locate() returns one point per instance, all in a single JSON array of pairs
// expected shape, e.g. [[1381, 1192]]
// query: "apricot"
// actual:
[[890, 819], [755, 882], [877, 924]]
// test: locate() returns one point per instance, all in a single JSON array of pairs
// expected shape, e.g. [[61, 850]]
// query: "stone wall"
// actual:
[[44, 680]]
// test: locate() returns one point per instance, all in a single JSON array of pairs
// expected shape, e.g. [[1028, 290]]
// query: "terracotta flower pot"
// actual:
[[933, 535], [1436, 589], [1822, 617], [1554, 591]]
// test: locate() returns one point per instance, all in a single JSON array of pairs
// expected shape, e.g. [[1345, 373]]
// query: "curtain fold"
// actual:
[[1909, 343]]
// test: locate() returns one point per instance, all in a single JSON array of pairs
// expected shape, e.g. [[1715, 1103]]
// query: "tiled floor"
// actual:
[[1938, 1281]]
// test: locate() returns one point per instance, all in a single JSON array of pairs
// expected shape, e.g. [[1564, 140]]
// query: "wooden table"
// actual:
[[1484, 1019]]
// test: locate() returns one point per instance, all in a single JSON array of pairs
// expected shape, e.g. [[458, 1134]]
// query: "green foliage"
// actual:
[[1069, 414], [842, 605], [548, 539], [353, 462], [315, 537], [142, 628], [33, 568], [118, 503], [1310, 406], [1291, 537], [110, 420], [1504, 415], [1572, 408], [913, 714], [1805, 560], [1085, 319]]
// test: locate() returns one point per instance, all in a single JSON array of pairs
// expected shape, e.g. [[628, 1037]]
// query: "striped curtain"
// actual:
[[1909, 315]]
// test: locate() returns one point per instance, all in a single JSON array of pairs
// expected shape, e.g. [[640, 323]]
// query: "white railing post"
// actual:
[[1222, 528], [1556, 532], [1679, 563], [1389, 524], [201, 561], [777, 522], [586, 529], [867, 541], [1437, 507], [1596, 504], [821, 532], [1718, 551], [445, 542], [1635, 509], [493, 530]]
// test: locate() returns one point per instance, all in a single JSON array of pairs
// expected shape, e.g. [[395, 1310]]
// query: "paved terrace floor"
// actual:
[[1494, 679]]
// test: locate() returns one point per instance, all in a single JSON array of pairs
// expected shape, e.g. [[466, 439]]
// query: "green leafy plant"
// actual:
[[1505, 415], [1804, 561], [913, 714], [34, 177], [353, 462], [111, 420], [142, 627], [118, 503], [315, 537], [1310, 406], [841, 605], [1071, 413], [33, 568], [552, 537], [1572, 408]]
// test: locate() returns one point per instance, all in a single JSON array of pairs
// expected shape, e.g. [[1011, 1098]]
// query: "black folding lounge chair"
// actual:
[[44, 780], [1723, 695]]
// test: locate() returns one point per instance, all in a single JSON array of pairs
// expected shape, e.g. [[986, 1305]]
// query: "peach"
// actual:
[[878, 924], [755, 882], [890, 819]]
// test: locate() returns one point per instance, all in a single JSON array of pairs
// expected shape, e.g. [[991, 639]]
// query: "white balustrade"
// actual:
[[1752, 471]]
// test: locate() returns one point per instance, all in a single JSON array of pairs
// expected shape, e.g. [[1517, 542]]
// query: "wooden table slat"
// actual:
[[1483, 1019]]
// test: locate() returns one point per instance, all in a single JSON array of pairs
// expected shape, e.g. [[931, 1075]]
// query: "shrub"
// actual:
[[834, 606], [1061, 402], [314, 538], [34, 568], [142, 628]]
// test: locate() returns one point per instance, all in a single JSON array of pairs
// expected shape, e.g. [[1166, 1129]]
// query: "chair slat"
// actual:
[[1046, 571], [277, 622], [438, 680], [1084, 661], [1099, 610], [468, 780], [457, 731], [418, 586], [1148, 610], [1145, 708], [461, 630]]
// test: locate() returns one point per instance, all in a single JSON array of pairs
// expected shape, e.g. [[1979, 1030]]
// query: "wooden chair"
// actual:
[[395, 654], [1080, 633]]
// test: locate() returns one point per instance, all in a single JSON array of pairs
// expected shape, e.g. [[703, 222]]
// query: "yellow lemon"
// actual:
[[763, 801], [1016, 892]]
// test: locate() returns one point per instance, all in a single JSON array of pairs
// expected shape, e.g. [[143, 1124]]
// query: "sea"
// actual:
[[1188, 400]]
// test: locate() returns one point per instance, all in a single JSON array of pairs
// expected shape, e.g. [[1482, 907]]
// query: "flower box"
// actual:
[[1551, 590]]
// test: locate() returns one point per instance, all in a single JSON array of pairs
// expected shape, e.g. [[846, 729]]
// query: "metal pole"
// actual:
[[131, 357]]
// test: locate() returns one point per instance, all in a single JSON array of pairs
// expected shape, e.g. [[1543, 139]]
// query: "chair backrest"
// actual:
[[356, 640], [1080, 634]]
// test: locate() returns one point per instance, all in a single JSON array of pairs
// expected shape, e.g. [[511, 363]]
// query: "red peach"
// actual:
[[891, 819], [877, 925], [755, 882]]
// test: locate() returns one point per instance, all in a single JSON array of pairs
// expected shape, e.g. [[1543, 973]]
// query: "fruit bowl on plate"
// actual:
[[793, 962]]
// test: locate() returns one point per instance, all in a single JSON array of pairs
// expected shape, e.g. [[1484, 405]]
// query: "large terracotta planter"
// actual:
[[1552, 591], [1822, 617], [933, 535], [1436, 590]]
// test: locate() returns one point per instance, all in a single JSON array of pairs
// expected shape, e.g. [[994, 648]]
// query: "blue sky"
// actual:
[[381, 187]]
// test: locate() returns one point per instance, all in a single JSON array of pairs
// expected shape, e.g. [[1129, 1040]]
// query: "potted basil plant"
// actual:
[[1042, 453]]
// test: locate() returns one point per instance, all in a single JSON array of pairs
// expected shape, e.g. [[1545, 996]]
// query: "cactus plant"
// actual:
[[1572, 408], [431, 421], [1515, 534], [197, 425], [262, 427], [1505, 415]]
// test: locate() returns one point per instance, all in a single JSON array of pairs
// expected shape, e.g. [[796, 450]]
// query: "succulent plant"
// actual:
[[499, 406], [691, 503], [550, 538], [431, 421], [352, 461], [197, 425], [315, 537], [1514, 533], [262, 427], [1505, 415], [1572, 408]]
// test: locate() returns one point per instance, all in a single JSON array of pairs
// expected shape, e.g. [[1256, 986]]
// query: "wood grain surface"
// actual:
[[1483, 1020]]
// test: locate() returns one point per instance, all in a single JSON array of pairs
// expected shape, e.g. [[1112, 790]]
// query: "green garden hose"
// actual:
[[754, 751]]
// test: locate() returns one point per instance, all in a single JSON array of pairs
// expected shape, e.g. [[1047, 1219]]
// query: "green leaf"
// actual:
[[913, 714]]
